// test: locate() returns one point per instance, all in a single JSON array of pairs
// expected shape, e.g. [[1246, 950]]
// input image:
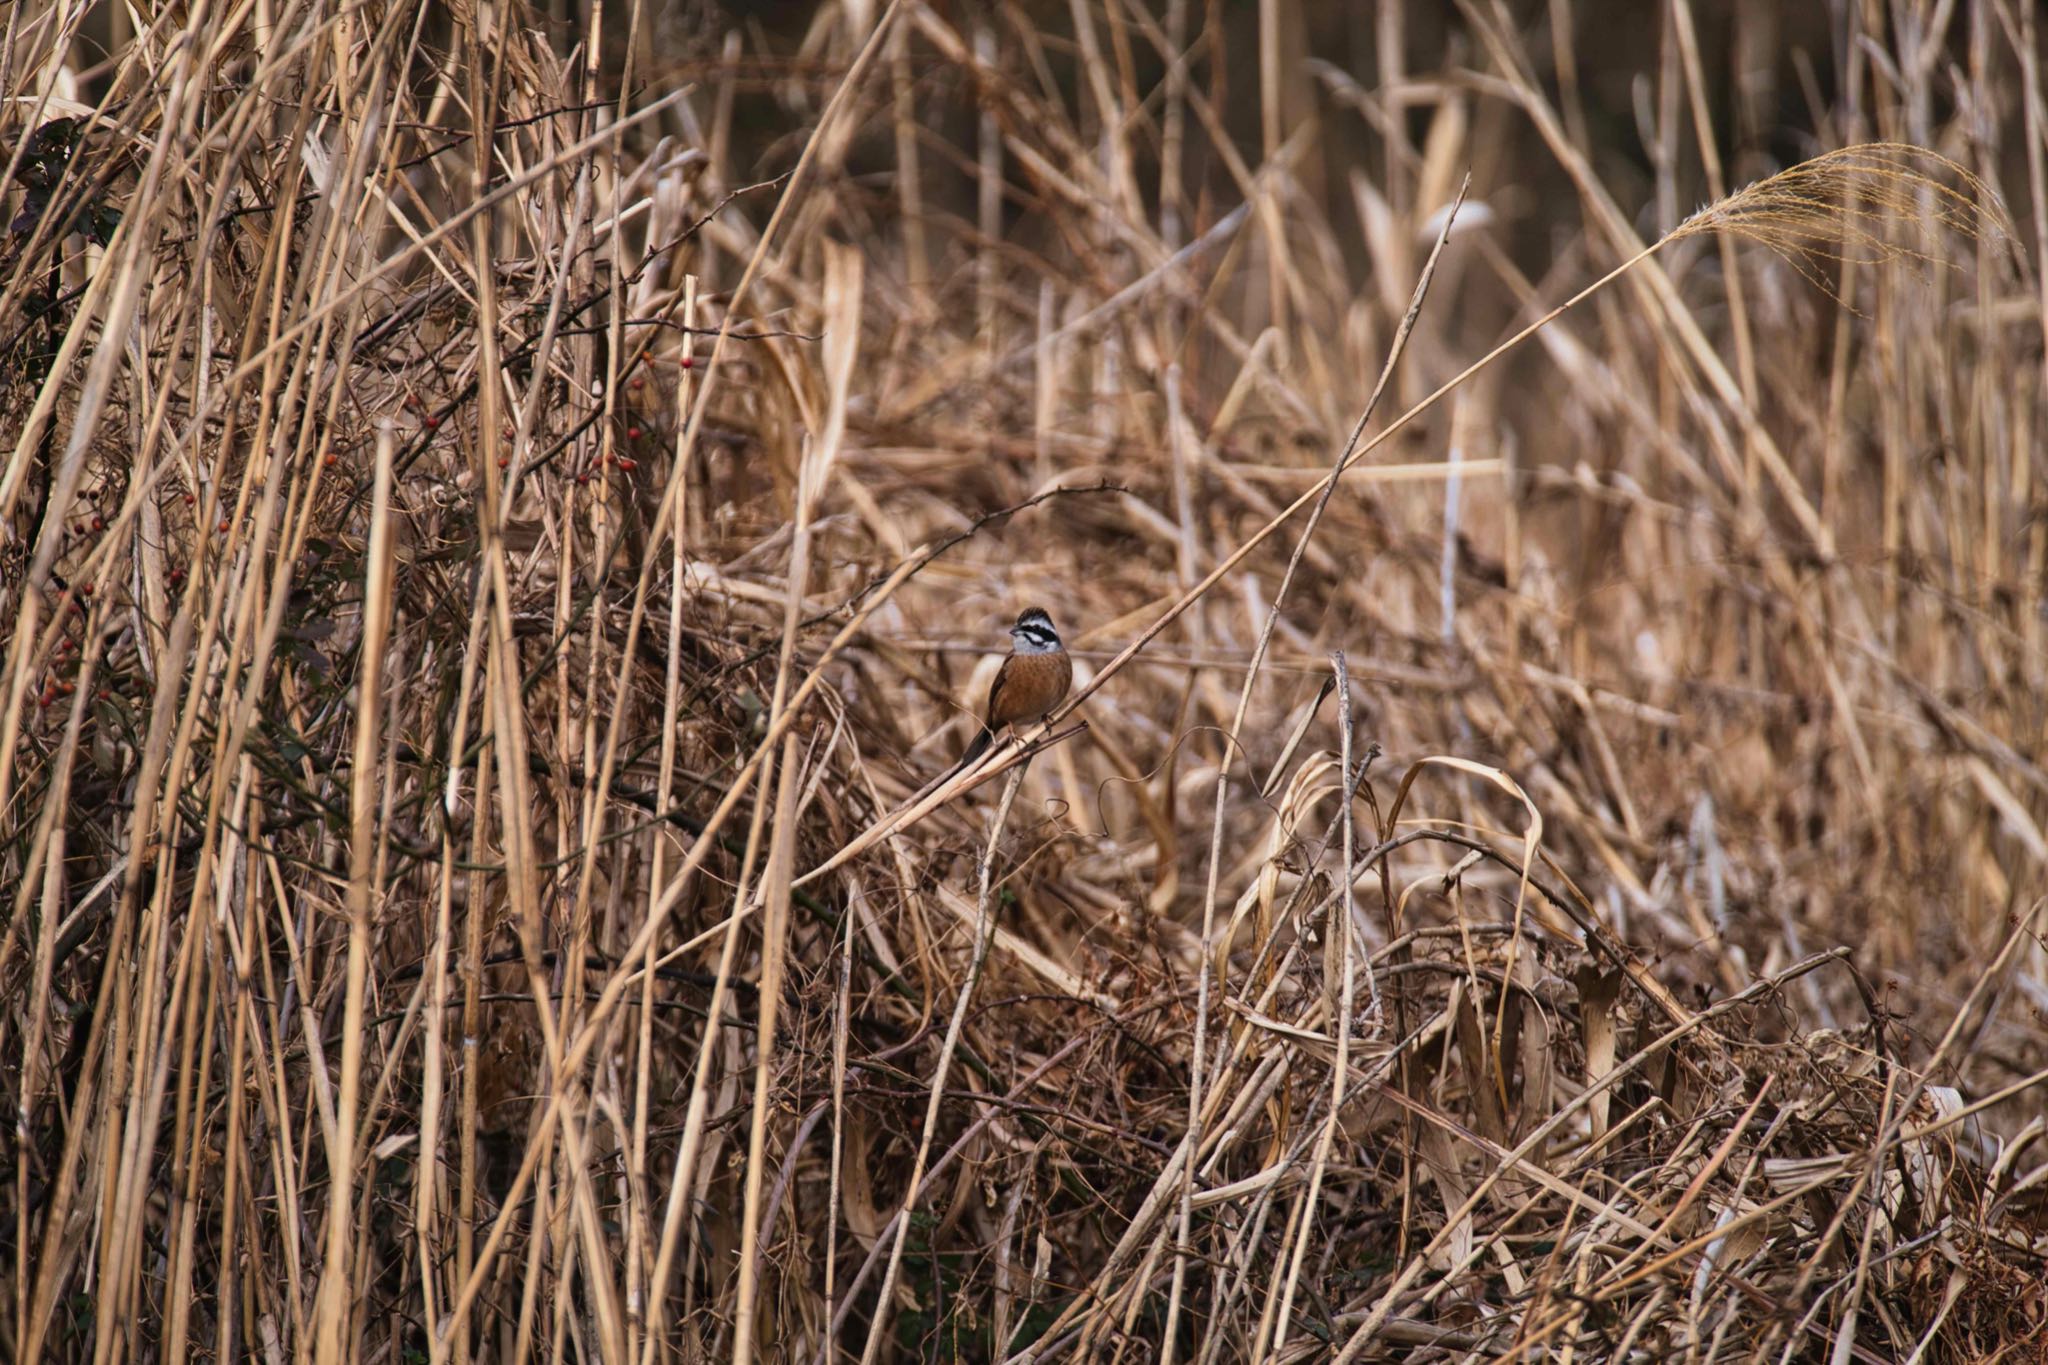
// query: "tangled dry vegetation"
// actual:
[[502, 532]]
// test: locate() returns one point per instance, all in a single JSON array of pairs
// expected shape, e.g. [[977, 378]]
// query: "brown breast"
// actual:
[[1031, 685]]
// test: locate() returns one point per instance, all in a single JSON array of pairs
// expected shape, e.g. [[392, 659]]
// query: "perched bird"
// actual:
[[1031, 682]]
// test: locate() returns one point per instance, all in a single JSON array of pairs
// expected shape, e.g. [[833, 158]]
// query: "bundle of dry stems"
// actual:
[[1544, 857]]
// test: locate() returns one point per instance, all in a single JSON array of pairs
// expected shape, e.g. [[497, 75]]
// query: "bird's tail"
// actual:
[[977, 748]]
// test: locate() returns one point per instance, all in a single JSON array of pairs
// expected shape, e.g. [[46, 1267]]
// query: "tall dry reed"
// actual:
[[504, 523]]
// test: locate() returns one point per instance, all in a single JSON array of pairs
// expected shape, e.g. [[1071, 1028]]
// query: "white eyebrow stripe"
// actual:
[[1036, 637]]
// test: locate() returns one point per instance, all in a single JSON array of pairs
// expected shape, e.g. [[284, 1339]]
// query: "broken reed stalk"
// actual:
[[331, 1313], [774, 940], [1342, 926]]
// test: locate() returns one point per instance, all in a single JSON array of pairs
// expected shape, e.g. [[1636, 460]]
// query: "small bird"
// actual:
[[1031, 682]]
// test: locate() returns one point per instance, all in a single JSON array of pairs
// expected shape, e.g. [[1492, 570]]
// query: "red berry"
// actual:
[[223, 525], [432, 423], [99, 523], [638, 381], [332, 460], [629, 465], [504, 462], [688, 362], [632, 433], [67, 688], [105, 694], [584, 477], [191, 499], [86, 589]]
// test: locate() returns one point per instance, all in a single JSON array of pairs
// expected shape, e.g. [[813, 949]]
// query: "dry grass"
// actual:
[[505, 520]]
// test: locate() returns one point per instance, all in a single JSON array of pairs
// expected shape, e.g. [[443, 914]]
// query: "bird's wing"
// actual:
[[995, 694]]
